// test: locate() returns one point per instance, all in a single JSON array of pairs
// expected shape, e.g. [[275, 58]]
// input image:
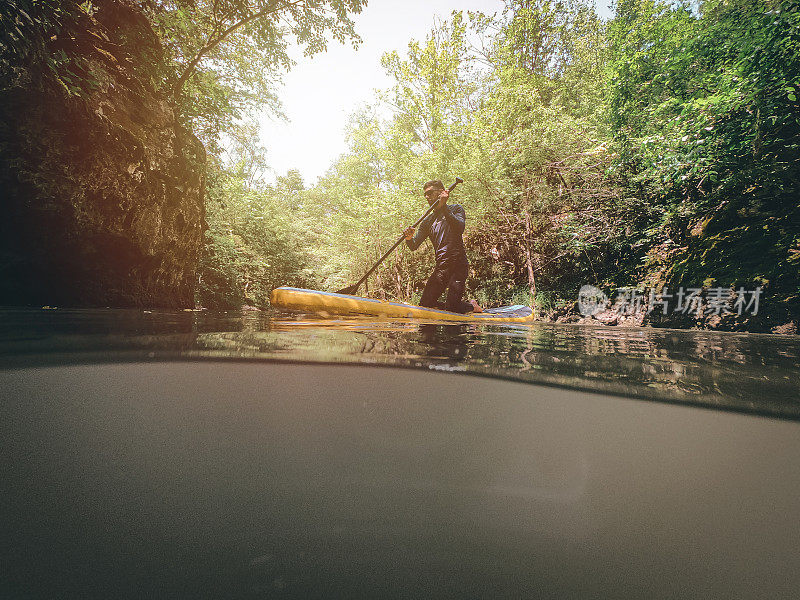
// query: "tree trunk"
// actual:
[[398, 279], [528, 256]]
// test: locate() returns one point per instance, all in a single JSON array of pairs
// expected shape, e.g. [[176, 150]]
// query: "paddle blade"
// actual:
[[348, 290]]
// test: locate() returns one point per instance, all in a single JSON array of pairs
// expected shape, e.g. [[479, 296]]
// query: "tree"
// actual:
[[258, 239], [435, 91], [539, 151], [227, 55], [534, 170], [704, 115]]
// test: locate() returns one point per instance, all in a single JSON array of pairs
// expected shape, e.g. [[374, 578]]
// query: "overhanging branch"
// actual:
[[213, 41]]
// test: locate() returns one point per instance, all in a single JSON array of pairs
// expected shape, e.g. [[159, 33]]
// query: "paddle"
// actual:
[[352, 289]]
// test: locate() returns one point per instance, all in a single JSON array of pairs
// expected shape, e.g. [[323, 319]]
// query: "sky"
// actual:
[[320, 93]]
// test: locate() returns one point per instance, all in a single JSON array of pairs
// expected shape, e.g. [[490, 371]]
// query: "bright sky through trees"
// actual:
[[320, 93]]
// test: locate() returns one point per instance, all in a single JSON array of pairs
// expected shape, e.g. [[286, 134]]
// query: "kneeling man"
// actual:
[[444, 226]]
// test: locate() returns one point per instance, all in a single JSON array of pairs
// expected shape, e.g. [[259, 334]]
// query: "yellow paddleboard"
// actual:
[[342, 304]]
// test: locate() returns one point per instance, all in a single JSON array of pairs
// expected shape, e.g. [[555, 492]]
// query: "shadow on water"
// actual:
[[749, 372]]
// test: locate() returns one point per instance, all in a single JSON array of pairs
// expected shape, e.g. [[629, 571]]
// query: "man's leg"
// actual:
[[455, 290], [434, 288]]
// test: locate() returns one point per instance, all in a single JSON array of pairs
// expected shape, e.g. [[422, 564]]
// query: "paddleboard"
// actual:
[[343, 304]]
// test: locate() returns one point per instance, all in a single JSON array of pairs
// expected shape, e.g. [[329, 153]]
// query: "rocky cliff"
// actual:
[[102, 190]]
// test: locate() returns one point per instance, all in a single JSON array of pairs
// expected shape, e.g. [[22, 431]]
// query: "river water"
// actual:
[[757, 373], [264, 454]]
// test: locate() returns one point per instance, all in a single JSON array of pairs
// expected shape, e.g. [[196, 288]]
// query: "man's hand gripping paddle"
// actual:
[[352, 289]]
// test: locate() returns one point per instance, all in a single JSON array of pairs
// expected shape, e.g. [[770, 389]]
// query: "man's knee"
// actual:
[[433, 289], [427, 302]]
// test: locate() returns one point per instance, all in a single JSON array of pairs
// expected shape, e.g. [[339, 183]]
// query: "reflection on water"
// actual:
[[751, 372]]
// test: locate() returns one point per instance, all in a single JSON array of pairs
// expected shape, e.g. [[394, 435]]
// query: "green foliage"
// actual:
[[660, 147], [37, 45], [375, 188], [527, 143], [257, 239], [435, 94], [225, 57], [707, 127]]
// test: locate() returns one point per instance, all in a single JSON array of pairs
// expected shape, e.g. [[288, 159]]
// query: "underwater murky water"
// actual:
[[749, 372]]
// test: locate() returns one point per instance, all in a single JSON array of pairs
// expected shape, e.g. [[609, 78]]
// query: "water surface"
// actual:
[[747, 372]]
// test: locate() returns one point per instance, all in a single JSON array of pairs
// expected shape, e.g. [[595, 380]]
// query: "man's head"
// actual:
[[432, 189]]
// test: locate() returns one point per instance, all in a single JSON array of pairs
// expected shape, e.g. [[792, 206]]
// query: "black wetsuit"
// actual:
[[445, 228]]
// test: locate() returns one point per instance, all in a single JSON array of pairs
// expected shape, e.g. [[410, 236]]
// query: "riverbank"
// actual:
[[777, 320]]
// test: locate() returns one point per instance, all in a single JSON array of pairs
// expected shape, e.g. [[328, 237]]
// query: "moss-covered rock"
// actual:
[[102, 191]]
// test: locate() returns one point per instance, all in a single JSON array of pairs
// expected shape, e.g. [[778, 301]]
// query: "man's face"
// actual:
[[432, 194]]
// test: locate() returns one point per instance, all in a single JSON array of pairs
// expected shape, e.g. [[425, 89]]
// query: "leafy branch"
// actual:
[[216, 37]]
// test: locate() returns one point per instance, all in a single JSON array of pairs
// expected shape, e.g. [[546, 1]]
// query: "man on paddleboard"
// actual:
[[444, 226]]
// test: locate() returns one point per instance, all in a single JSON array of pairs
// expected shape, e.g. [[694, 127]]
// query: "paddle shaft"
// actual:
[[350, 290]]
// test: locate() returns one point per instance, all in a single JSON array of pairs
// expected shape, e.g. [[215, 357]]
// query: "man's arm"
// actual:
[[456, 217], [413, 240]]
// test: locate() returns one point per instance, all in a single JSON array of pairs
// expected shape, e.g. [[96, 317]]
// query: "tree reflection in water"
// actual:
[[750, 372]]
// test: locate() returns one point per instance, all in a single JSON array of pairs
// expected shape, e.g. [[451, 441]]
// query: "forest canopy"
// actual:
[[660, 147]]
